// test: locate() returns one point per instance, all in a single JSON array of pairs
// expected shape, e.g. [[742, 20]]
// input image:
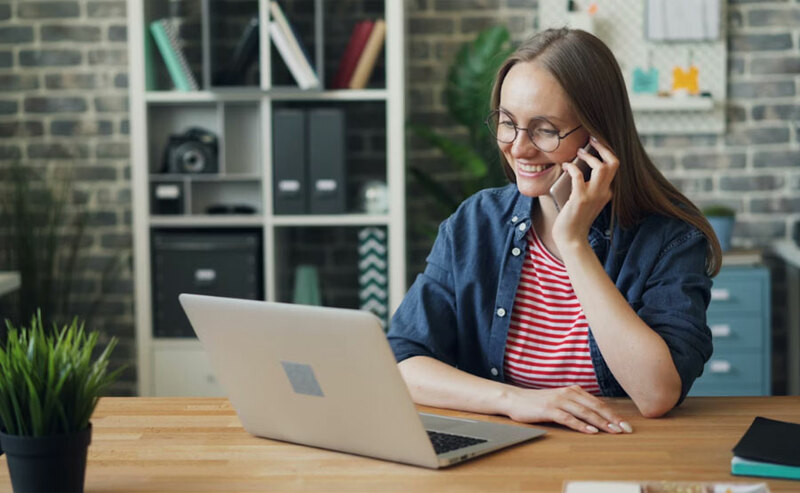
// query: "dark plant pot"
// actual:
[[723, 227], [55, 463]]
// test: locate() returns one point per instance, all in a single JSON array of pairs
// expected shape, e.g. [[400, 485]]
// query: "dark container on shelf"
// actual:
[[210, 262]]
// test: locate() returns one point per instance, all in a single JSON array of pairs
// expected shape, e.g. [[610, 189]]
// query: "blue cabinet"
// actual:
[[739, 319]]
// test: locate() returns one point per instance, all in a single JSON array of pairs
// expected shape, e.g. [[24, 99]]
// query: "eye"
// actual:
[[546, 132], [506, 124]]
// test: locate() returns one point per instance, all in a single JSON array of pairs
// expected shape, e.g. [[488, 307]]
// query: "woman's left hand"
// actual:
[[588, 198]]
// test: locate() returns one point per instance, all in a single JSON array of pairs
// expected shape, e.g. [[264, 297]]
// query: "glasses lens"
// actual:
[[501, 126], [544, 135]]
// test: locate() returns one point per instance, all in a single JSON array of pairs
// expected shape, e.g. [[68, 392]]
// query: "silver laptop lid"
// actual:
[[318, 376]]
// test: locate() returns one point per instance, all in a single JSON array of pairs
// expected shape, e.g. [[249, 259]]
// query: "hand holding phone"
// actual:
[[562, 188]]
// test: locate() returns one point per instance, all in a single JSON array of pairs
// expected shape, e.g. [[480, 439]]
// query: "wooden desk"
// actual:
[[198, 444]]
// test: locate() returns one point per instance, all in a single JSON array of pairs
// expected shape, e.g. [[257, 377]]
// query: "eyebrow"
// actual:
[[547, 118]]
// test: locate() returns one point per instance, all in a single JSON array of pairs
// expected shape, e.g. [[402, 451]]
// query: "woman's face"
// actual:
[[531, 97]]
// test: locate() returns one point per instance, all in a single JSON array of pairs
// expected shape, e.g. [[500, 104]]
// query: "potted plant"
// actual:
[[722, 219], [49, 387], [467, 95]]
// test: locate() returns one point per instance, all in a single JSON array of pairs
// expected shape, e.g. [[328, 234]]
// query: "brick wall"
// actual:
[[63, 108]]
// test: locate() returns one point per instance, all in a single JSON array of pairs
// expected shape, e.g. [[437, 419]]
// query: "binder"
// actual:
[[326, 161], [166, 38], [289, 185]]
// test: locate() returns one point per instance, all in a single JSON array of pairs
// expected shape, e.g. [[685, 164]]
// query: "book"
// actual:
[[768, 447], [352, 52], [282, 45], [245, 54], [366, 62], [293, 43], [166, 38], [744, 467]]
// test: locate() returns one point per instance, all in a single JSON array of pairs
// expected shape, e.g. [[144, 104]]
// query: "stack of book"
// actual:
[[165, 35], [769, 448], [358, 61], [288, 45]]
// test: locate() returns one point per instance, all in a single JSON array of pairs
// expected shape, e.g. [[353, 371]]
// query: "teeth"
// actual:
[[533, 168]]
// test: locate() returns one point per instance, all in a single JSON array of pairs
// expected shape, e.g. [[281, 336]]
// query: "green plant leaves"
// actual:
[[470, 77], [467, 96], [49, 383]]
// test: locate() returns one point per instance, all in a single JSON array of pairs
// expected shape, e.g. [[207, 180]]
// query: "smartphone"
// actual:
[[562, 188]]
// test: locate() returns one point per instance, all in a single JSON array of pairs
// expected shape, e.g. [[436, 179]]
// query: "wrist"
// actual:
[[508, 396]]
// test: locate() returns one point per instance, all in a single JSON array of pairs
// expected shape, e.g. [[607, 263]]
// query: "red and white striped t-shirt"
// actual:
[[548, 337]]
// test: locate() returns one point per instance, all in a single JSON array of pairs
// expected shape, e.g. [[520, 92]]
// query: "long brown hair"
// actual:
[[591, 77]]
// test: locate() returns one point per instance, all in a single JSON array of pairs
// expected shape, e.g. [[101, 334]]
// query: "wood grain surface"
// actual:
[[198, 444]]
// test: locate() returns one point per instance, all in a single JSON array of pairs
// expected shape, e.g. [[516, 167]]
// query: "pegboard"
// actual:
[[620, 24]]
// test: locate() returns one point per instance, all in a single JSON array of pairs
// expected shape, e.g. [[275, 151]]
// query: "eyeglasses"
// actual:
[[543, 135]]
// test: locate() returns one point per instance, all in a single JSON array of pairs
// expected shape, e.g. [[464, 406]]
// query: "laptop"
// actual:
[[326, 377]]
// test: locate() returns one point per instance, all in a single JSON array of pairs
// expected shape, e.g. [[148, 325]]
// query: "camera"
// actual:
[[192, 152]]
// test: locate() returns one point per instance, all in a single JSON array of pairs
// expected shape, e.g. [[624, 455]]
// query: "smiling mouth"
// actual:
[[534, 168]]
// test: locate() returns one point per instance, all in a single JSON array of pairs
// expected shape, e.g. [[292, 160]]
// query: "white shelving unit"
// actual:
[[177, 366]]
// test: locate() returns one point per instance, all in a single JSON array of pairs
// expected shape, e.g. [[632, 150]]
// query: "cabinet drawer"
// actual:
[[738, 291], [733, 368], [727, 389], [730, 332], [184, 372]]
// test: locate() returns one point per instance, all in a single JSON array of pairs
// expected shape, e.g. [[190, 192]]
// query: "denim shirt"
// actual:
[[457, 311]]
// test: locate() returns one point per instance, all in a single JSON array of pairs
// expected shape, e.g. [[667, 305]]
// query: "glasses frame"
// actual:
[[493, 131]]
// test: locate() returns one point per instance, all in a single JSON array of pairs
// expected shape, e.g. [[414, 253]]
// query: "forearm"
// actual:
[[637, 356], [433, 383]]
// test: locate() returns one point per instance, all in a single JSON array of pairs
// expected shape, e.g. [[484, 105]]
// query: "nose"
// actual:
[[522, 145]]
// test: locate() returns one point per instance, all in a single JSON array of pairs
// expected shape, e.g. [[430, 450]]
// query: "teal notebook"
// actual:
[[769, 448], [166, 38], [744, 467]]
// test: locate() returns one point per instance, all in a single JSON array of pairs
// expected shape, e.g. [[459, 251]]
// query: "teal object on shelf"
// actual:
[[723, 227], [306, 286], [645, 81]]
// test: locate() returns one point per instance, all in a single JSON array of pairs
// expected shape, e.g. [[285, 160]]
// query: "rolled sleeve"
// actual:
[[425, 322], [674, 304]]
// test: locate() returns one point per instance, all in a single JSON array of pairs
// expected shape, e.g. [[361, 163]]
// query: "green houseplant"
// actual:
[[467, 95], [49, 387], [42, 235], [722, 220]]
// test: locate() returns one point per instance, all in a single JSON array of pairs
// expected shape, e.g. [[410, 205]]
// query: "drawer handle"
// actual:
[[721, 330], [720, 294], [720, 366]]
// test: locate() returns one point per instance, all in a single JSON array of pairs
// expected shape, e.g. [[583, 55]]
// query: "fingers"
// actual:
[[590, 414]]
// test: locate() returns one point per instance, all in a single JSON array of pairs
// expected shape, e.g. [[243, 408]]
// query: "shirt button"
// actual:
[[516, 251], [494, 372], [514, 219], [522, 226], [608, 232], [501, 312]]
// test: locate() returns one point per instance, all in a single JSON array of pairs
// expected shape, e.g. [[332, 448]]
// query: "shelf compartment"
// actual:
[[233, 57], [336, 263], [365, 147]]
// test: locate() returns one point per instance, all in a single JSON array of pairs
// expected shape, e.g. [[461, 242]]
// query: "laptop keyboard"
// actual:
[[445, 442]]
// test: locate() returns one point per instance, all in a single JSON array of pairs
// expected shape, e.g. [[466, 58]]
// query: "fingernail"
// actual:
[[626, 426], [614, 428], [594, 139], [591, 429], [581, 151]]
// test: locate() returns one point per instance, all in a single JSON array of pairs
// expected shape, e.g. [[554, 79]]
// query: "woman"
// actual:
[[532, 313]]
